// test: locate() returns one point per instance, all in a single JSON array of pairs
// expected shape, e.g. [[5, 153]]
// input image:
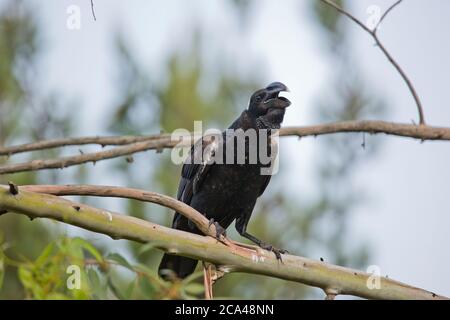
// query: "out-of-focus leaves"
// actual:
[[116, 290], [130, 289], [45, 277], [27, 113], [57, 296], [44, 256], [28, 281], [96, 285], [120, 260], [152, 274], [83, 244], [192, 277], [329, 18], [194, 289], [146, 287], [146, 248]]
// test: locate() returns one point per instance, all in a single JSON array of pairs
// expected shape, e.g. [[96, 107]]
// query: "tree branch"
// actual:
[[385, 14], [93, 11], [413, 131], [141, 195], [102, 141], [60, 163], [374, 35], [165, 141], [332, 279], [145, 143]]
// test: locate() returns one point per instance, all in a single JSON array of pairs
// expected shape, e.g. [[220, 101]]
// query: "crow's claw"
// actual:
[[219, 230], [277, 252]]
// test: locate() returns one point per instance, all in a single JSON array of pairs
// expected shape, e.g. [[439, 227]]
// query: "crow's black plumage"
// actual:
[[225, 192]]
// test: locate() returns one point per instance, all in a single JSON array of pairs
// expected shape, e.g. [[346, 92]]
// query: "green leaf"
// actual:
[[130, 289], [95, 282], [146, 287], [194, 289], [70, 248], [30, 283], [89, 248], [146, 247], [120, 260], [57, 296], [26, 277], [152, 274], [43, 257], [115, 290], [193, 277]]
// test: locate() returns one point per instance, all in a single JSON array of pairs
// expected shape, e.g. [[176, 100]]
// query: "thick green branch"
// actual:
[[332, 279], [119, 192]]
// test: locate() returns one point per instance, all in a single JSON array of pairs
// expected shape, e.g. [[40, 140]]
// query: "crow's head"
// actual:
[[267, 106]]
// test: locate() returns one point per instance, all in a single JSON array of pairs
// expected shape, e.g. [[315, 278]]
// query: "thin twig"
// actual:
[[57, 143], [405, 78], [348, 14], [207, 280], [386, 13], [64, 162], [374, 35], [93, 11]]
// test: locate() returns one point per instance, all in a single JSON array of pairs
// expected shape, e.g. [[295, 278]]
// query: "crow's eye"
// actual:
[[258, 98]]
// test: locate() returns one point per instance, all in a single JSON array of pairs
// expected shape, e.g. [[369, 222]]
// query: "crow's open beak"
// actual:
[[276, 87], [273, 90]]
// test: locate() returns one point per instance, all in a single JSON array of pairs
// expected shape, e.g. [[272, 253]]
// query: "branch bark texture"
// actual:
[[330, 278]]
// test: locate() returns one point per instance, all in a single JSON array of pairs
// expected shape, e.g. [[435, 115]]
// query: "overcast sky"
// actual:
[[408, 219]]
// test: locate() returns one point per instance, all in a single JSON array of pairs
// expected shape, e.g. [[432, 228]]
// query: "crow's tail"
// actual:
[[172, 265]]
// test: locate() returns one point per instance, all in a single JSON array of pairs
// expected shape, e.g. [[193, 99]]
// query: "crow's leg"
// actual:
[[241, 227], [219, 230], [263, 245]]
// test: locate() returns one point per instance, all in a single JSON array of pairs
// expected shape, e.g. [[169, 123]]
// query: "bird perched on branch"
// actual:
[[223, 181]]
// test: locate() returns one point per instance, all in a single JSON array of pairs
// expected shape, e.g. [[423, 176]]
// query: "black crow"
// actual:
[[224, 191]]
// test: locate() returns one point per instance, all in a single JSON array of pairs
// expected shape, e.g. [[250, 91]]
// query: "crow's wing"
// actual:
[[273, 149], [264, 186], [196, 167], [194, 171]]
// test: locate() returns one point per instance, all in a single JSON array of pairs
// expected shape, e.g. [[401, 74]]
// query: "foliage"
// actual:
[[27, 113], [51, 274]]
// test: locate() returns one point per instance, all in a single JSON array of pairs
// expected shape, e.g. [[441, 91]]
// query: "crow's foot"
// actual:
[[276, 251], [219, 230]]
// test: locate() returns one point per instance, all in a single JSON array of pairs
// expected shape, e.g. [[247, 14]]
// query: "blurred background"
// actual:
[[145, 67]]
